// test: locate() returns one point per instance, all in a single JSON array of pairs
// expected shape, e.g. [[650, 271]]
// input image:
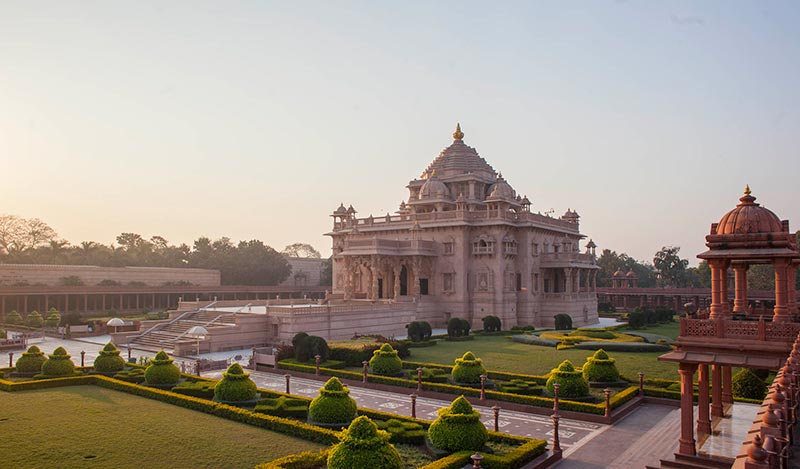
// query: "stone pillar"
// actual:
[[687, 442], [397, 281], [716, 391], [726, 305], [594, 280], [727, 394], [717, 309], [568, 281], [703, 419], [781, 312], [740, 292], [791, 289]]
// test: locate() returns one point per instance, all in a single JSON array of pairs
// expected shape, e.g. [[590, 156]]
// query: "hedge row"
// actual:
[[495, 375]]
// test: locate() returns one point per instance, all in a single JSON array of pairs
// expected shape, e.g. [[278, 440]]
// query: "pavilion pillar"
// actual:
[[2, 309], [568, 281], [24, 304], [781, 312], [791, 283], [717, 309], [716, 391], [724, 297], [687, 441], [740, 292], [703, 419], [727, 394]]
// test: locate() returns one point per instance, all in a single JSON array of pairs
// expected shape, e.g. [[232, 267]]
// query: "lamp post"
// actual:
[[199, 333]]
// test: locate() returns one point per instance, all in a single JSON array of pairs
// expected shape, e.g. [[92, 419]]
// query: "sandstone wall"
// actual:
[[32, 274]]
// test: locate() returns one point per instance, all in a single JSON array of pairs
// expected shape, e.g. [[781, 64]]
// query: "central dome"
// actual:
[[459, 158], [749, 217]]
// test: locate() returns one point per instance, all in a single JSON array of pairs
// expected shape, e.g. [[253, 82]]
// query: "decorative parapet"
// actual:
[[743, 330], [566, 259]]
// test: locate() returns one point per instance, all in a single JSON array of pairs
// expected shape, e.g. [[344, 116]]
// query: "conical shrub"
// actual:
[[31, 361], [58, 364], [572, 382], [362, 445], [108, 360], [385, 361], [333, 405], [34, 319], [235, 385], [468, 369], [600, 368], [14, 318], [161, 371], [458, 428], [747, 384]]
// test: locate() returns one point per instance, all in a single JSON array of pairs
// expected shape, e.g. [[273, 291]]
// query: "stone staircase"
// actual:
[[164, 336], [683, 461]]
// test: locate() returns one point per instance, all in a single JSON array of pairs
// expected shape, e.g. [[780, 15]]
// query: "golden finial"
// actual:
[[458, 134], [747, 189]]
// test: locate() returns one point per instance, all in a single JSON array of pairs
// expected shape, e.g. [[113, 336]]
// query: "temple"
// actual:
[[466, 244]]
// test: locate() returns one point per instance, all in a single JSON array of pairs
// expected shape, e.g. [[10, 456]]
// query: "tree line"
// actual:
[[32, 241]]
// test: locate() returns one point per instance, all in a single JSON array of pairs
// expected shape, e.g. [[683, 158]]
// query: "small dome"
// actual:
[[351, 210], [591, 244], [525, 201], [341, 210], [434, 189], [631, 274], [501, 189], [749, 217], [619, 273]]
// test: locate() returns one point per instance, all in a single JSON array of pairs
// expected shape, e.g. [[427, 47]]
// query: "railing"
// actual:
[[749, 330], [549, 257], [338, 308], [391, 244]]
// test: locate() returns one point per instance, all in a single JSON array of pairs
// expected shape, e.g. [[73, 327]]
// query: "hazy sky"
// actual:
[[256, 119]]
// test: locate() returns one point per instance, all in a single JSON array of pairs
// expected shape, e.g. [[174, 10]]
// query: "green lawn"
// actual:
[[670, 329], [501, 354], [87, 427]]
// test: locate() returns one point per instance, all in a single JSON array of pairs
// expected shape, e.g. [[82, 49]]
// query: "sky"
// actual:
[[256, 119]]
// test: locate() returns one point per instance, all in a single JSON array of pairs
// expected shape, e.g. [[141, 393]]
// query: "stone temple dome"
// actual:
[[501, 189], [749, 217], [459, 159], [434, 189]]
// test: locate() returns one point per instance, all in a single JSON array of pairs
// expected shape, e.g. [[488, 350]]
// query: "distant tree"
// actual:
[[670, 266], [761, 277], [701, 275], [18, 234], [301, 250], [610, 262]]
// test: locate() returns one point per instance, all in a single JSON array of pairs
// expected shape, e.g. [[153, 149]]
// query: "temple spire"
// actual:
[[458, 134], [747, 189]]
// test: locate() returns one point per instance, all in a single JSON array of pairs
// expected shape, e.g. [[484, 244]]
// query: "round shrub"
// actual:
[[161, 370], [636, 320], [563, 322], [235, 385], [309, 346], [31, 361], [491, 324], [601, 368], [58, 364], [572, 382], [297, 338], [458, 428], [385, 361], [465, 326], [363, 445], [53, 319], [468, 369], [34, 319], [419, 331], [13, 318], [747, 384], [333, 405], [109, 360]]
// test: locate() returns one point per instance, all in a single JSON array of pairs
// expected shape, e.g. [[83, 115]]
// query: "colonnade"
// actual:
[[785, 292], [709, 407]]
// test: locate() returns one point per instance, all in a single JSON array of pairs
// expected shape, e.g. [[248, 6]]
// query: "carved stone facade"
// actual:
[[465, 244]]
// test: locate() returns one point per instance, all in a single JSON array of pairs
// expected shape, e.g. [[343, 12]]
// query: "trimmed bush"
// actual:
[[402, 432], [297, 338], [385, 361], [53, 319], [333, 405], [362, 445], [109, 360], [748, 385], [14, 318], [468, 369], [563, 322], [310, 346], [161, 371], [235, 385], [434, 375], [491, 324], [34, 320], [531, 339], [31, 361], [201, 389], [283, 406], [600, 368], [572, 382], [58, 364], [458, 428], [419, 331], [636, 320], [134, 375], [593, 333]]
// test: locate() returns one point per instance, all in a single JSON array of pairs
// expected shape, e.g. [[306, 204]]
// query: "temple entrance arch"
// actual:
[[403, 281]]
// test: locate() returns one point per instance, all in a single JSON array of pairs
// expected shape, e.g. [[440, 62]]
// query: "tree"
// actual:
[[670, 266], [301, 250], [18, 234], [700, 276], [610, 262]]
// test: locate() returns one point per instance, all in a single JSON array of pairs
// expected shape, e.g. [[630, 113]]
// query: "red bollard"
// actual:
[[316, 361], [10, 359], [496, 411], [83, 355], [608, 401], [413, 406], [556, 386], [483, 387], [641, 383], [365, 364], [556, 440], [286, 377], [419, 379]]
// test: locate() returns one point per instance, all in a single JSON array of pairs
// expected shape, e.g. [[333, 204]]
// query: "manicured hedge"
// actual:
[[572, 382], [468, 369], [458, 428], [531, 339], [31, 361], [58, 364], [600, 368], [363, 445], [201, 389], [623, 346], [411, 433], [235, 385], [385, 361], [333, 405], [109, 360], [419, 331], [162, 371], [284, 407]]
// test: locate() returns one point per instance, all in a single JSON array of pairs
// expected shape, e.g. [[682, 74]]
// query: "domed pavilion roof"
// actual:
[[459, 159], [749, 217], [434, 189]]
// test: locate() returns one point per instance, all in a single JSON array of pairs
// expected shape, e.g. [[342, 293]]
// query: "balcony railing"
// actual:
[[743, 330]]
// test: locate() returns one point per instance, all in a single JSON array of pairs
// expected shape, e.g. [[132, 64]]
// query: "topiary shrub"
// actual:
[[31, 361], [454, 327], [419, 331], [385, 361], [309, 346], [14, 318], [53, 319], [283, 407], [491, 324], [402, 432], [465, 327], [58, 364], [747, 384], [161, 371], [362, 445], [563, 322], [201, 389], [600, 368], [468, 369], [572, 382], [636, 320], [134, 375], [109, 361], [333, 405], [235, 385], [34, 320], [297, 338], [458, 428]]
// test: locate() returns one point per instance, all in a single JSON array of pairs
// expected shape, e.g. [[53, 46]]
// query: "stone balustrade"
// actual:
[[748, 330]]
